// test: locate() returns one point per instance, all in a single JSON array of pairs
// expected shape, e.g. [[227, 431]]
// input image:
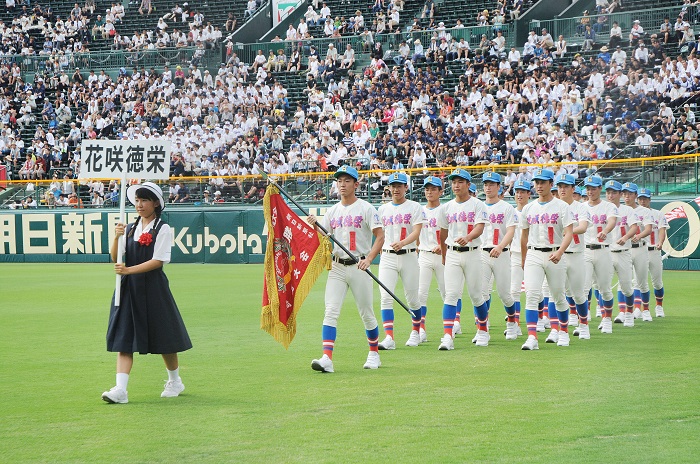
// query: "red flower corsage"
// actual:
[[145, 239]]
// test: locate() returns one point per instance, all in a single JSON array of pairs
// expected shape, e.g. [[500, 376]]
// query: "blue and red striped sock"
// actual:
[[645, 301], [599, 298], [328, 333], [388, 321], [373, 338], [423, 312], [659, 295], [449, 313], [629, 302], [540, 310], [510, 311], [482, 316], [517, 312], [416, 319], [458, 310], [531, 317], [621, 302], [553, 315], [572, 305], [638, 299], [607, 308], [582, 310], [562, 321]]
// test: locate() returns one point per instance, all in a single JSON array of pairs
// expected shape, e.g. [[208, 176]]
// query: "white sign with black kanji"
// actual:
[[141, 159]]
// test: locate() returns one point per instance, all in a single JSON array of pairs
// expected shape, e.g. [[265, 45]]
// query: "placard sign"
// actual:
[[142, 159]]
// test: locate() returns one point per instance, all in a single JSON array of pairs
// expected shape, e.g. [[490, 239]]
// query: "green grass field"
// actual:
[[626, 397]]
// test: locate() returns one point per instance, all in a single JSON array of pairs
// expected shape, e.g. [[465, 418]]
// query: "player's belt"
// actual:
[[619, 251], [400, 252], [651, 248], [459, 249], [596, 247], [636, 245], [347, 261], [547, 250], [489, 249]]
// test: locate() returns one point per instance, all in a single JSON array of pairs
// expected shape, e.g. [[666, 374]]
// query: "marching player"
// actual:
[[497, 237], [429, 251], [402, 220], [598, 238], [462, 221], [574, 260], [656, 240], [546, 233], [352, 222], [640, 254], [625, 228], [522, 197]]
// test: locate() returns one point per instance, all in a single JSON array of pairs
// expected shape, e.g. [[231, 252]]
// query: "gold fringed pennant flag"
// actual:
[[295, 256]]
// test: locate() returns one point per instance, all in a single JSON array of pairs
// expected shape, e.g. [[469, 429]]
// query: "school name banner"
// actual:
[[110, 159]]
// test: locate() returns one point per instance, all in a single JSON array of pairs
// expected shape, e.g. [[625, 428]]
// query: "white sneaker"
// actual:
[[457, 328], [600, 326], [620, 318], [637, 313], [116, 396], [606, 326], [511, 331], [599, 311], [629, 320], [530, 344], [540, 325], [563, 339], [518, 330], [387, 344], [546, 322], [476, 337], [646, 316], [584, 332], [447, 343], [553, 336], [325, 364], [423, 336], [414, 339], [373, 361], [172, 388], [482, 338], [577, 330], [573, 320], [660, 311]]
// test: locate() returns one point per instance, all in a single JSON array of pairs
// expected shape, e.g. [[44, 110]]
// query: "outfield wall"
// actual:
[[225, 235]]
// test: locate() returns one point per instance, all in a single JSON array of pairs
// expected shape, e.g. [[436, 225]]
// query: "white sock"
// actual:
[[122, 380], [174, 375]]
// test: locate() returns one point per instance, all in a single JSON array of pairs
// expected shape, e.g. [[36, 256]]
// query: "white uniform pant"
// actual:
[[599, 264], [461, 267], [340, 278], [430, 264], [499, 268], [576, 276], [537, 267], [622, 262], [656, 269], [391, 267], [516, 275], [640, 262]]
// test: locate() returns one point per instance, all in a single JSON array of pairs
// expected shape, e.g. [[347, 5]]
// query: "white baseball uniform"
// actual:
[[463, 263], [640, 253], [546, 223], [398, 222], [351, 225], [597, 255], [574, 256], [501, 217], [621, 254], [656, 266], [430, 263], [516, 259]]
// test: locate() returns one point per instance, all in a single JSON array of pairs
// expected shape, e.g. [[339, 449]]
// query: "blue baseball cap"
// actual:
[[644, 193], [432, 180], [579, 191], [543, 174], [593, 181], [398, 178], [349, 170], [567, 179], [613, 185], [629, 187], [461, 173], [523, 185], [472, 188], [491, 177], [555, 188]]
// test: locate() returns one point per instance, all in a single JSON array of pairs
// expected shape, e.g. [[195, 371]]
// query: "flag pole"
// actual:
[[340, 245], [120, 247]]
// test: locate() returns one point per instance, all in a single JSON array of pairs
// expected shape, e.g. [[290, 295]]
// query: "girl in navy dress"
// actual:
[[147, 319]]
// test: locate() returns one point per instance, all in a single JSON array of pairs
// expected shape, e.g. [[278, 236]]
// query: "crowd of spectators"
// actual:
[[504, 107]]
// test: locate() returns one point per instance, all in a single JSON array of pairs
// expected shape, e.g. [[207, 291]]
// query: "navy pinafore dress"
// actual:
[[147, 320]]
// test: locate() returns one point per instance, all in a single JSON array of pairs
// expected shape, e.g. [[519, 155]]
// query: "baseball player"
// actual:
[[626, 227], [352, 222], [522, 197], [457, 328], [573, 314], [402, 220], [429, 251], [462, 221], [640, 254], [495, 248], [573, 256], [598, 238], [657, 238], [546, 233]]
